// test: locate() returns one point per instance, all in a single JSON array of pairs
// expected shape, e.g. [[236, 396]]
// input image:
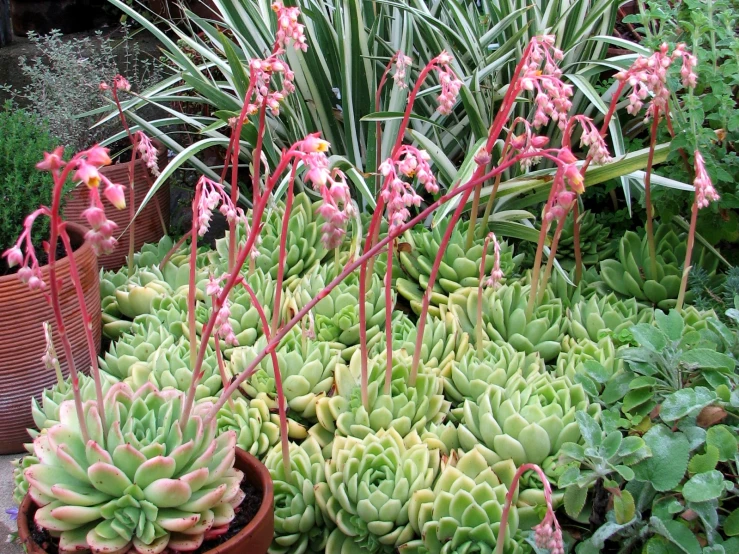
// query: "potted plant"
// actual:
[[23, 140]]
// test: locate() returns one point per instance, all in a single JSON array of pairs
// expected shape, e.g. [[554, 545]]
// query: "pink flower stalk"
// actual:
[[401, 63], [147, 151], [450, 83], [705, 193], [101, 230], [496, 275], [288, 29], [593, 139], [337, 209], [223, 328], [262, 72], [212, 194], [648, 77], [541, 74]]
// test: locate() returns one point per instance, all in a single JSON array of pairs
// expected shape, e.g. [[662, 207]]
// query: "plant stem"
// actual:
[[688, 254], [478, 327], [283, 249], [388, 318], [86, 320], [132, 210], [648, 194], [473, 218], [192, 289], [550, 260], [222, 369], [537, 266]]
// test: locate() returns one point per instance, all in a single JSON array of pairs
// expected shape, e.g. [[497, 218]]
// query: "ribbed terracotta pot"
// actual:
[[22, 343], [255, 538], [151, 223]]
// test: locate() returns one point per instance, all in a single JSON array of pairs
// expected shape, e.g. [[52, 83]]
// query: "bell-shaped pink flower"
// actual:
[[14, 256], [88, 174], [52, 160], [115, 195]]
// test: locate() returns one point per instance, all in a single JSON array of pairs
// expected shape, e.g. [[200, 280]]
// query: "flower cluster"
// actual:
[[212, 194], [648, 76], [450, 84], [561, 198], [496, 275], [119, 83], [591, 137], [399, 195], [223, 326], [528, 144], [549, 535], [288, 28], [705, 193], [263, 71], [147, 151], [401, 63], [540, 73]]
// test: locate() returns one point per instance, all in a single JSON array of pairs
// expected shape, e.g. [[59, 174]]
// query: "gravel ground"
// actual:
[[7, 525]]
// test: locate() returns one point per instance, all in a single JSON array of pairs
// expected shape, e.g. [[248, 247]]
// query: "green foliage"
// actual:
[[23, 141]]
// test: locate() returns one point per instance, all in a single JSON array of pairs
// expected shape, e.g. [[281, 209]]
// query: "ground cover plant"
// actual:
[[413, 382]]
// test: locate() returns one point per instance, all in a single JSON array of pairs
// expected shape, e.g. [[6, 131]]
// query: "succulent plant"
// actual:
[[337, 315], [147, 485], [462, 512], [505, 321], [527, 420], [631, 275], [608, 314], [20, 483], [153, 354], [300, 525], [307, 370], [576, 353], [406, 409], [460, 266], [369, 485], [464, 380], [594, 242], [257, 430]]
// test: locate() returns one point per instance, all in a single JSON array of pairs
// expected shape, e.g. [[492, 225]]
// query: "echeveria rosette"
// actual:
[[20, 483], [369, 485], [145, 486], [589, 363], [464, 380], [257, 429], [609, 314], [459, 268], [630, 275], [527, 420], [300, 524], [462, 512], [307, 369], [407, 408], [336, 316], [505, 321], [595, 244]]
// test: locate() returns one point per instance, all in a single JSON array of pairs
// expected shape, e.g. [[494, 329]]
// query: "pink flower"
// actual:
[[450, 86], [88, 174], [541, 74], [548, 534], [121, 83], [262, 72], [148, 152], [528, 144], [98, 156], [705, 193], [115, 195], [95, 217], [401, 63], [496, 275], [103, 86], [288, 29], [336, 210], [52, 161], [314, 143], [591, 137], [14, 256]]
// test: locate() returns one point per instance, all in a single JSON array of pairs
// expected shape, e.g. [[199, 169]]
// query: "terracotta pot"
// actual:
[[22, 343], [150, 223], [255, 538]]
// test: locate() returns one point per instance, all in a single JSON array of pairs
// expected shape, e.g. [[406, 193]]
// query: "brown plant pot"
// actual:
[[255, 538], [151, 223], [22, 343]]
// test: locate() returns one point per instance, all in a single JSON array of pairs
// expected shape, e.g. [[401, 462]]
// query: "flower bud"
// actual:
[[14, 256], [94, 216], [114, 194]]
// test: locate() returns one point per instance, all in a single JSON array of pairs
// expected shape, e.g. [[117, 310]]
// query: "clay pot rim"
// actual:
[[75, 231], [249, 462]]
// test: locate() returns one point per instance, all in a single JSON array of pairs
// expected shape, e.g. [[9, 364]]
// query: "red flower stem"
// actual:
[[222, 369], [478, 327], [174, 249], [74, 276], [131, 210], [283, 250], [648, 194], [550, 260], [192, 289], [688, 255], [378, 125], [500, 546], [388, 319], [281, 402], [537, 262], [348, 269], [59, 180]]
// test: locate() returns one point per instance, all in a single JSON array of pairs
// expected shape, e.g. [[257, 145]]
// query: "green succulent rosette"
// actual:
[[527, 420], [589, 363], [595, 244], [464, 380], [153, 354], [462, 512], [505, 321], [257, 430], [407, 408], [20, 483], [336, 317], [142, 482], [369, 485], [306, 366], [300, 524], [631, 274], [609, 314], [459, 268]]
